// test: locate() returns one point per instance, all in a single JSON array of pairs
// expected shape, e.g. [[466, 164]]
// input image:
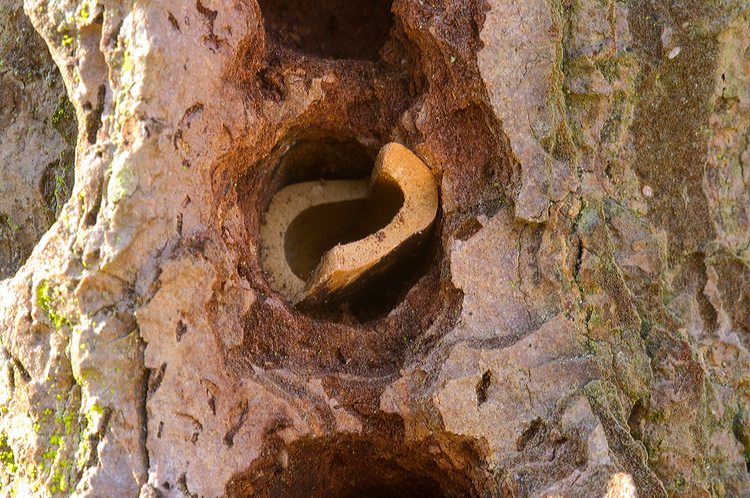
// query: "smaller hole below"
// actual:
[[351, 467]]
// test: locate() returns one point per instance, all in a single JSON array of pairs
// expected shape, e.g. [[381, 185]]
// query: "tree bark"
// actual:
[[576, 322]]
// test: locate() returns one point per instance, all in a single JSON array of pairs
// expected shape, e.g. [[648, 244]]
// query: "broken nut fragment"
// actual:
[[324, 240]]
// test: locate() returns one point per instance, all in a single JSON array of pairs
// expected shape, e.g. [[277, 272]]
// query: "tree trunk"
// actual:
[[575, 322]]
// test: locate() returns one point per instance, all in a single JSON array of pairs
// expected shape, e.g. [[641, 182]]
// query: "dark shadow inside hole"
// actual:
[[383, 294], [338, 29], [406, 487], [324, 159], [318, 229]]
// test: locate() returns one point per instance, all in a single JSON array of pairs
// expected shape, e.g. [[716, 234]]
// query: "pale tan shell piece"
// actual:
[[286, 205], [347, 264]]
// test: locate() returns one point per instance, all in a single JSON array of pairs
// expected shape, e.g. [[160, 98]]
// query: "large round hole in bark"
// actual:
[[368, 335], [338, 29]]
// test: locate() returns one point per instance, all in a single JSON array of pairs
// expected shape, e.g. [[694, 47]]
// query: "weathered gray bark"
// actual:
[[579, 325]]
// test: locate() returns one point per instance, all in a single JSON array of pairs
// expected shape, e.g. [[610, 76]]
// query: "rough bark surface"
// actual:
[[578, 325]]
